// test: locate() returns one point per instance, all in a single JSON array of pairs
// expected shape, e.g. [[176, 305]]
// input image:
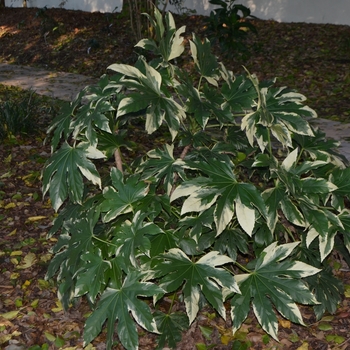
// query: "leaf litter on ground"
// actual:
[[31, 316]]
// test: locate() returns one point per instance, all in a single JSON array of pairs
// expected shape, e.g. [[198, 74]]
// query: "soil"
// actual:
[[314, 59]]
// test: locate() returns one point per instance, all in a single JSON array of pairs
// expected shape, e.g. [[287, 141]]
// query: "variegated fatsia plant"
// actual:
[[240, 202]]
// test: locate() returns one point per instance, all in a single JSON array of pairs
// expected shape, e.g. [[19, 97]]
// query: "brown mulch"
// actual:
[[314, 59]]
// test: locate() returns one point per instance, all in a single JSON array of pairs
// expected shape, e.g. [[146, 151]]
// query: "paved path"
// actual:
[[65, 86]]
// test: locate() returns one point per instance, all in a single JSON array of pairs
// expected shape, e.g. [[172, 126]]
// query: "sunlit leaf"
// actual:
[[28, 261], [11, 315], [171, 327], [205, 61]]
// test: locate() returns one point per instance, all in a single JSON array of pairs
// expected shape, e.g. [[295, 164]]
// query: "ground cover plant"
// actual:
[[24, 112], [237, 206]]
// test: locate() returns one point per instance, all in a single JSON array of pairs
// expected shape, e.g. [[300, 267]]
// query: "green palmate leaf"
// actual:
[[76, 239], [340, 178], [204, 102], [199, 198], [290, 161], [321, 148], [155, 205], [204, 60], [232, 241], [169, 43], [76, 212], [197, 247], [281, 111], [328, 291], [109, 143], [312, 185], [196, 224], [222, 190], [160, 106], [116, 305], [272, 198], [61, 126], [310, 167], [291, 212], [344, 217], [197, 105], [245, 216], [114, 275], [239, 93], [275, 281], [92, 117], [215, 103], [317, 219], [132, 104], [172, 112], [62, 176], [341, 247], [286, 106], [162, 165], [163, 242], [122, 197], [171, 327], [326, 236], [326, 243], [134, 237], [91, 278], [196, 277]]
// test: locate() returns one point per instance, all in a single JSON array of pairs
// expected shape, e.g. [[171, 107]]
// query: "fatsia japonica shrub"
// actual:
[[235, 198]]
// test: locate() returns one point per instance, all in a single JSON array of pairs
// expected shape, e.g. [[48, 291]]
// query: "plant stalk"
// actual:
[[176, 176]]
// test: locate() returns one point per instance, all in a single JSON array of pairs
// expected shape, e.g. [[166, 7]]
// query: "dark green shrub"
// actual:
[[229, 25], [240, 201]]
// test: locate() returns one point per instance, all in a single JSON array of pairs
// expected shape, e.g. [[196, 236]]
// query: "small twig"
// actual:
[[118, 158], [176, 176], [164, 7]]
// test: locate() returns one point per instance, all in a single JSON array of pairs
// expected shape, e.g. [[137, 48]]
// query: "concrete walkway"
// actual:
[[65, 86]]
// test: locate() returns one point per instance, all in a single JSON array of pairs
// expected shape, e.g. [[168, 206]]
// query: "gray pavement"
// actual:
[[65, 86]]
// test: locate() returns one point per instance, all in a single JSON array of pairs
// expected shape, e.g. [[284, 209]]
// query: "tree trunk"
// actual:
[[2, 3]]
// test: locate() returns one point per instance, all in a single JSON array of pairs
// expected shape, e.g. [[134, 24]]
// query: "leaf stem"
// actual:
[[118, 160], [269, 141], [200, 82], [299, 156], [105, 242], [171, 304], [176, 176], [242, 267]]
